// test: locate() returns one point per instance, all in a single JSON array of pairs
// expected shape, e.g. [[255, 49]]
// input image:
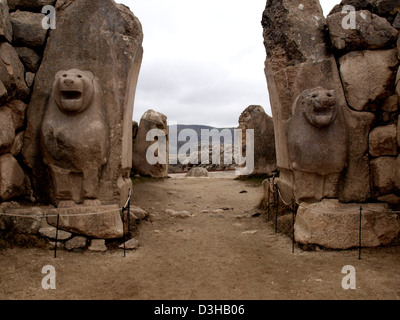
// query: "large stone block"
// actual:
[[18, 109], [383, 175], [30, 5], [100, 222], [29, 57], [383, 141], [12, 72], [7, 129], [12, 178], [294, 32], [368, 77], [336, 226], [23, 220], [5, 22], [355, 182], [380, 7], [151, 120], [28, 30], [371, 32], [255, 118], [109, 45]]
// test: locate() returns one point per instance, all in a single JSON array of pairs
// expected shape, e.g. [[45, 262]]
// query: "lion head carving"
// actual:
[[73, 90], [319, 106]]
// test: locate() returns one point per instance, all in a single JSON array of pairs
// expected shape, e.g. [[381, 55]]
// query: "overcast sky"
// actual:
[[203, 60]]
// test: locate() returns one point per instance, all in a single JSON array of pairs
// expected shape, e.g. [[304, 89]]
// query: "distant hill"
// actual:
[[194, 127]]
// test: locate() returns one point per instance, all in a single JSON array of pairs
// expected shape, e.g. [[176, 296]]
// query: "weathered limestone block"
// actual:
[[110, 47], [293, 32], [26, 221], [197, 173], [12, 178], [383, 175], [29, 58], [389, 111], [18, 109], [383, 141], [380, 7], [52, 233], [29, 79], [336, 226], [255, 118], [27, 29], [355, 182], [396, 22], [7, 129], [151, 120], [317, 139], [371, 32], [16, 147], [3, 93], [368, 77], [12, 72], [131, 244], [75, 136], [98, 245], [76, 243], [100, 222], [5, 22], [30, 5]]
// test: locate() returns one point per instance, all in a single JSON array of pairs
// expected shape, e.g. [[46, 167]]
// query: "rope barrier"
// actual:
[[61, 215], [126, 207], [274, 188]]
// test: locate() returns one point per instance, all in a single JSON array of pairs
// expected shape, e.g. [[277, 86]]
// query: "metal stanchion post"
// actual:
[[269, 199], [360, 235], [277, 209], [294, 218], [56, 243]]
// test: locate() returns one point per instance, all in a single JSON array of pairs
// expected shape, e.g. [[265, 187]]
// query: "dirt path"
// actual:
[[207, 256]]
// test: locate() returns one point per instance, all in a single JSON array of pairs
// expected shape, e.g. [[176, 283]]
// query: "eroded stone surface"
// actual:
[[110, 47], [371, 32], [158, 148], [255, 118], [336, 226], [75, 136], [368, 77], [102, 222]]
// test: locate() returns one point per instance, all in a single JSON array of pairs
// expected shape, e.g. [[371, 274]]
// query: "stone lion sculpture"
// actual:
[[317, 141], [75, 136]]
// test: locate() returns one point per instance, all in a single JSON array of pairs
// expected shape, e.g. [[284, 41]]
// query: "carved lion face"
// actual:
[[320, 107], [73, 90]]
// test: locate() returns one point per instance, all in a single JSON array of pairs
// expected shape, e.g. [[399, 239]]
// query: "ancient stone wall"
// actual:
[[22, 42], [66, 105], [334, 88]]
